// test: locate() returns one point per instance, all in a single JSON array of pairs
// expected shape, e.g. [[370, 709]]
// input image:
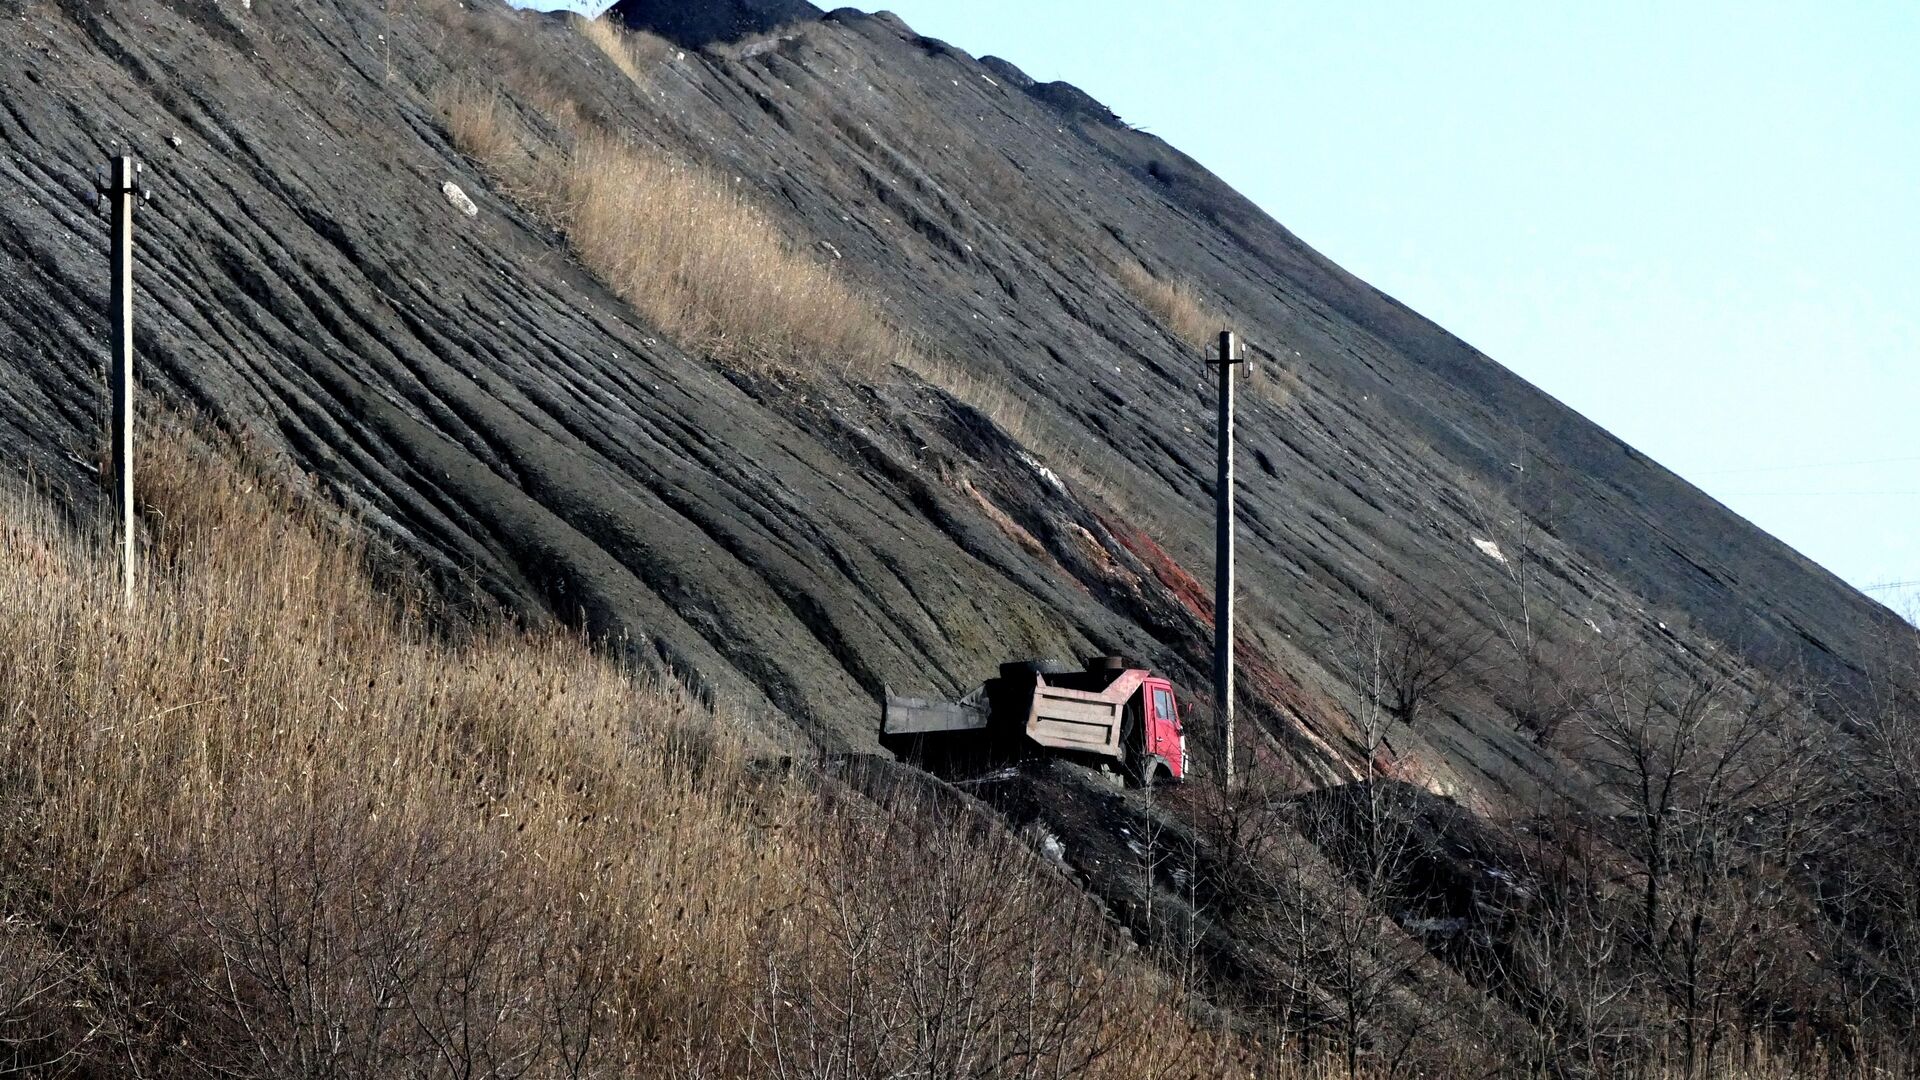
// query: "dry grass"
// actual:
[[1050, 447], [482, 125], [681, 245], [271, 824], [1177, 304], [1270, 378], [717, 274], [710, 268], [633, 52]]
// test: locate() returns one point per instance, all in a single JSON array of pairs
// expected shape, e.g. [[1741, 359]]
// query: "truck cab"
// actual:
[[1163, 743]]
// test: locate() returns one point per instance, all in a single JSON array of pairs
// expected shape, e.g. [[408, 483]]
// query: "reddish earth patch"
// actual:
[[1318, 718], [1184, 586], [1018, 534], [1100, 560], [1007, 525]]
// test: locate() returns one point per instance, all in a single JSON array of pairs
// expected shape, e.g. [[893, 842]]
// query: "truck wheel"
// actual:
[[1108, 663], [1028, 668]]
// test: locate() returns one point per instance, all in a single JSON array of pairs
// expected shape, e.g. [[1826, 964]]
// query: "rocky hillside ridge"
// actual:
[[794, 543]]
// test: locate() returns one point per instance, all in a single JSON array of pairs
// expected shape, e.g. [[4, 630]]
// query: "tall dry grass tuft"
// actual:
[[481, 124], [632, 51], [681, 245], [1177, 304], [270, 823], [507, 840], [710, 268]]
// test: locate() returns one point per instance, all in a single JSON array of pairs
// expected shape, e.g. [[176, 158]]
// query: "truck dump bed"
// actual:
[[1092, 721], [1057, 716], [919, 716]]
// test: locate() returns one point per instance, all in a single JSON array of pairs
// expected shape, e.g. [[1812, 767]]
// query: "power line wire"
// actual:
[[1817, 494], [1810, 465]]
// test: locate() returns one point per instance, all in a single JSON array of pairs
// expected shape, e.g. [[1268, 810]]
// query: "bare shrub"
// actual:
[[952, 951], [40, 976], [1310, 884], [1542, 680], [1356, 954], [1404, 652], [1876, 861], [1567, 964], [1723, 780]]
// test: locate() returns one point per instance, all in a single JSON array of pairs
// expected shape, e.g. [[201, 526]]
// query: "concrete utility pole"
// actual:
[[1223, 550], [119, 186]]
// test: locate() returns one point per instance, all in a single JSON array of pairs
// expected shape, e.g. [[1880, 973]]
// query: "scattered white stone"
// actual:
[[459, 199], [174, 140], [1490, 549], [1052, 848], [1045, 473]]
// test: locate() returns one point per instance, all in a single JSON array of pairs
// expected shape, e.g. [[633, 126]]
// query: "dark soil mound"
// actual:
[[721, 21]]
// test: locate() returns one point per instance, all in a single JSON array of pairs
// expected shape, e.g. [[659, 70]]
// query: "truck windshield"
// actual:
[[1163, 703]]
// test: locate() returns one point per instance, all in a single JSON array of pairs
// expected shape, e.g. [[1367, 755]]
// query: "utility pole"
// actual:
[[1223, 551], [119, 186]]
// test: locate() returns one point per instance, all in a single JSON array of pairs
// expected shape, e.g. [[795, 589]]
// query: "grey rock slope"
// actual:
[[794, 544]]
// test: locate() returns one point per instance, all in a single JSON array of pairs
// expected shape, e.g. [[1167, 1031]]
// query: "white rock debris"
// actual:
[[1052, 848], [459, 199], [1490, 549], [1045, 473]]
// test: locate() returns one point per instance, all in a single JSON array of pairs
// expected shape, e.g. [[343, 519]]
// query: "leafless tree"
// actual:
[[1871, 870], [1359, 957], [1566, 962], [1406, 651], [1716, 771], [1541, 680]]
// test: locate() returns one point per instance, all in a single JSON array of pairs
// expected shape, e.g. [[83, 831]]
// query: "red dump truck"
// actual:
[[1107, 709]]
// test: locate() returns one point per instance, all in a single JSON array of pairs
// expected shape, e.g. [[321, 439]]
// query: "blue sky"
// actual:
[[1698, 224]]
